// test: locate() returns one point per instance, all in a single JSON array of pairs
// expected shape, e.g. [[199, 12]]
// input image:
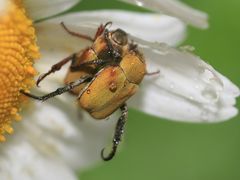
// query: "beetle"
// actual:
[[103, 76]]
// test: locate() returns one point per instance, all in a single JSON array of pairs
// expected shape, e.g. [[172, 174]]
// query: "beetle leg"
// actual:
[[94, 62], [118, 133], [132, 46], [101, 29], [59, 91], [77, 34], [152, 73], [56, 67]]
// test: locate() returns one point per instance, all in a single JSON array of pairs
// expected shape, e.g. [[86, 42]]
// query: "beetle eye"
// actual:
[[120, 37]]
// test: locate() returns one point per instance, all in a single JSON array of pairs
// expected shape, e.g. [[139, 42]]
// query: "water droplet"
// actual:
[[197, 86], [171, 85], [217, 83], [187, 48], [112, 86], [162, 48], [206, 75], [210, 94], [88, 91], [139, 3], [210, 77], [207, 114]]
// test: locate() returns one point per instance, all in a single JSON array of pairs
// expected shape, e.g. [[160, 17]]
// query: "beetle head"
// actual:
[[120, 37]]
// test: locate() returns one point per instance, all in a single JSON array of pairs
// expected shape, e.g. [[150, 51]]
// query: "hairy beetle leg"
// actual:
[[77, 34], [118, 133], [59, 91]]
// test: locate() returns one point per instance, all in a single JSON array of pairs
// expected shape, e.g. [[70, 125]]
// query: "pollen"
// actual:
[[18, 50]]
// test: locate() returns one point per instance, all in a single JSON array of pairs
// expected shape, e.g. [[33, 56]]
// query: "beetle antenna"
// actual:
[[118, 133], [83, 36]]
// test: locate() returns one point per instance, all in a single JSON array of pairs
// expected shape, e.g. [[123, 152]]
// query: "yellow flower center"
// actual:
[[18, 49]]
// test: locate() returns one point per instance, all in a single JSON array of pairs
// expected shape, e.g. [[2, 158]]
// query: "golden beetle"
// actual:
[[103, 76]]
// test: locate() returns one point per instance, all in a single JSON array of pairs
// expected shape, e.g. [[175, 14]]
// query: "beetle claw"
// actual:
[[40, 78], [109, 23], [110, 155], [118, 133]]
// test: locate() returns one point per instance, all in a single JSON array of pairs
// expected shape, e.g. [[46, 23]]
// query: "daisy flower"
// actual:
[[56, 138]]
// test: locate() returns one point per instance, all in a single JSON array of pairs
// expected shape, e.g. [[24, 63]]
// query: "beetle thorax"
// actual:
[[119, 40]]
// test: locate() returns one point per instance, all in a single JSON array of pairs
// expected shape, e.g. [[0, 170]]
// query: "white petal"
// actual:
[[186, 89], [176, 9], [147, 26], [46, 8], [54, 139], [20, 160]]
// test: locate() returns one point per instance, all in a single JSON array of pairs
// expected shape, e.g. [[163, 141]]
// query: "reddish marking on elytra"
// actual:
[[113, 72]]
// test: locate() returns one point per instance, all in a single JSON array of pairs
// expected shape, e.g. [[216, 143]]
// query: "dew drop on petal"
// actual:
[[191, 97], [139, 3], [197, 87], [163, 47], [207, 114], [210, 93], [210, 77], [187, 48], [172, 85]]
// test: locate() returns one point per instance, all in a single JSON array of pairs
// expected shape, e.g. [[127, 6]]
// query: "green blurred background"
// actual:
[[164, 150]]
